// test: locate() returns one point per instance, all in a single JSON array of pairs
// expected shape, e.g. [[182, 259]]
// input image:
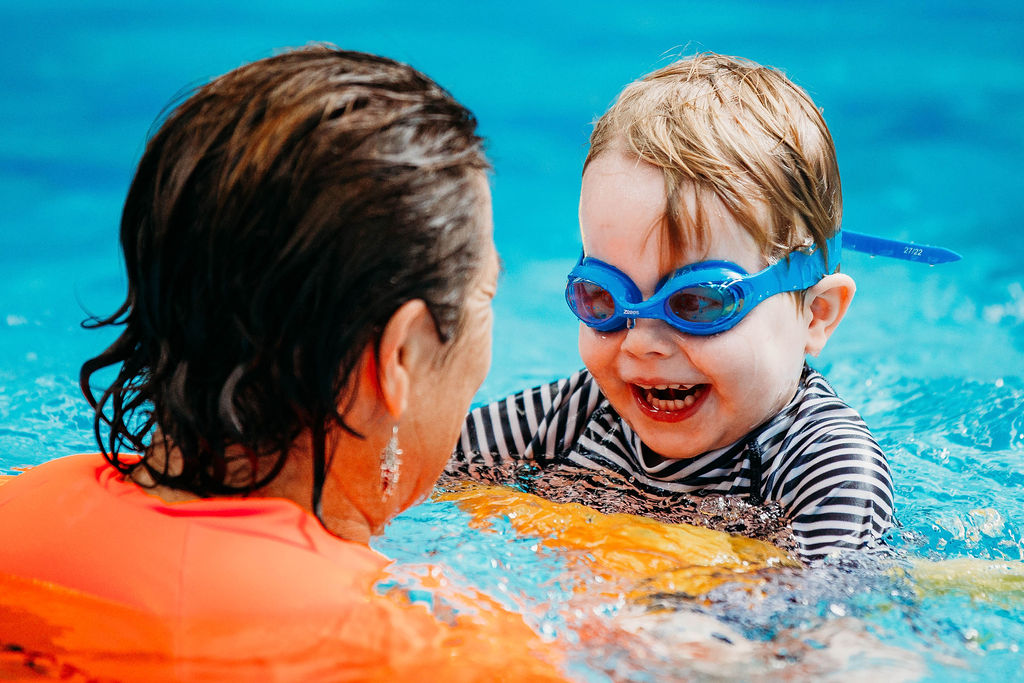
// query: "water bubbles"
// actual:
[[959, 529], [970, 636], [988, 521], [548, 631]]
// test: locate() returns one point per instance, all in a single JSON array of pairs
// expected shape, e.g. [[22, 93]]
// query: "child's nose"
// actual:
[[648, 337]]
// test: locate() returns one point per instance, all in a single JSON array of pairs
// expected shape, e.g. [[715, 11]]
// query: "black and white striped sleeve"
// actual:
[[838, 490], [532, 426]]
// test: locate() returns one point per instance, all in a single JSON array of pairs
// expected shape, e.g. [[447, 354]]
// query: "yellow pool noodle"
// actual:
[[654, 557]]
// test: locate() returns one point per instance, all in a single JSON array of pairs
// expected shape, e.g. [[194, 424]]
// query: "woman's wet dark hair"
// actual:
[[277, 219]]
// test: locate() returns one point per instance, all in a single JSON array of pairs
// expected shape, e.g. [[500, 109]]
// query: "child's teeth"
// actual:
[[670, 404]]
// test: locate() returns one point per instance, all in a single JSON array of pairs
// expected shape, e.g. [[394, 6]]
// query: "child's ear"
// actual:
[[827, 303]]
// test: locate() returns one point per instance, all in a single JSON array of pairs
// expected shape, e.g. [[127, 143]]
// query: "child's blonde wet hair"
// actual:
[[739, 130]]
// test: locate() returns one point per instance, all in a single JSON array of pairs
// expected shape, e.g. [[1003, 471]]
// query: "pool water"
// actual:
[[926, 103]]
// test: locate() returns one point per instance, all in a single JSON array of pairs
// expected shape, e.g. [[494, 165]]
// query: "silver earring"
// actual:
[[390, 461]]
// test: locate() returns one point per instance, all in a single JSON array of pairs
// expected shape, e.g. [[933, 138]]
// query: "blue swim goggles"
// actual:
[[713, 296]]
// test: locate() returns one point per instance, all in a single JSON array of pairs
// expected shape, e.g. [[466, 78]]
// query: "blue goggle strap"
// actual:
[[798, 271], [906, 251]]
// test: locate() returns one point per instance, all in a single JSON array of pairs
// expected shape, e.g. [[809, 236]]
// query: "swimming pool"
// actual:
[[926, 105]]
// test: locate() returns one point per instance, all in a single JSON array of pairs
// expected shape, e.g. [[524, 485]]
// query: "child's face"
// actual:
[[683, 394]]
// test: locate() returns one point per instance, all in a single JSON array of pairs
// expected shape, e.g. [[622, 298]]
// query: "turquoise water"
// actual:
[[926, 104]]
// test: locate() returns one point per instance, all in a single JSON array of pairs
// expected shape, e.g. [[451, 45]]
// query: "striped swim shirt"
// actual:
[[816, 458]]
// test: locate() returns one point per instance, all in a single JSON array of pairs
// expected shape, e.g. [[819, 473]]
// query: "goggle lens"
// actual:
[[591, 303], [703, 304]]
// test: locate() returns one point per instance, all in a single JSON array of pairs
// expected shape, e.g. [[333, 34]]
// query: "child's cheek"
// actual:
[[754, 366], [599, 351], [723, 359], [593, 345]]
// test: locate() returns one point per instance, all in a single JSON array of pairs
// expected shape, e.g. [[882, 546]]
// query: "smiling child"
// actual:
[[710, 212]]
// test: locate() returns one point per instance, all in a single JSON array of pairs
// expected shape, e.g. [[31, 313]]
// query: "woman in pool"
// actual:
[[310, 271]]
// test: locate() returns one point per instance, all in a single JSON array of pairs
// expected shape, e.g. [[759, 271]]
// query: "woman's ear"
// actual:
[[402, 348], [827, 303]]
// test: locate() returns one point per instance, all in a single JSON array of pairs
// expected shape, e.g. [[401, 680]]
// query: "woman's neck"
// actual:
[[351, 506]]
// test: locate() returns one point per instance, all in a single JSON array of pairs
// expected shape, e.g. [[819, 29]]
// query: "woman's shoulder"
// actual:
[[49, 483]]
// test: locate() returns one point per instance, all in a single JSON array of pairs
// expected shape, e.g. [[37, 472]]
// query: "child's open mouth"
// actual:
[[669, 402]]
